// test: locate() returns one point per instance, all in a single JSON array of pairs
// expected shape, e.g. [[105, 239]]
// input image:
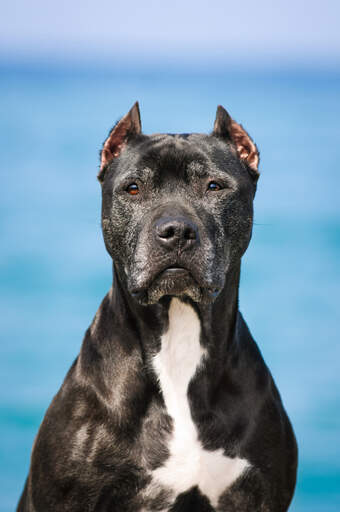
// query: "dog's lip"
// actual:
[[174, 270]]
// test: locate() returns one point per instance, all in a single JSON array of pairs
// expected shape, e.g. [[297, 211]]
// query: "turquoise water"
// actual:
[[55, 271]]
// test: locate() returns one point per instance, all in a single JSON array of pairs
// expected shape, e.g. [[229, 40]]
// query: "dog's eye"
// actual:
[[214, 186], [132, 189]]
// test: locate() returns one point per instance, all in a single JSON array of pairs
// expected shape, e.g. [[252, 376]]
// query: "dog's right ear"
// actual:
[[129, 126]]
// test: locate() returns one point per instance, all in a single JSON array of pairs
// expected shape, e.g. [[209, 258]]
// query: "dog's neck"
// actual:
[[217, 318], [178, 331]]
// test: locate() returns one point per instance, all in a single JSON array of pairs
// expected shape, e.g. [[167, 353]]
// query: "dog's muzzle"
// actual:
[[174, 268]]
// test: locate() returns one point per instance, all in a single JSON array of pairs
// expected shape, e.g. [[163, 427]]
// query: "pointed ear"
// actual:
[[226, 128], [127, 127]]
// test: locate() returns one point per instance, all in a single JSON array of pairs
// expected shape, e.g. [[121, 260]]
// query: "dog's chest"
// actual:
[[188, 464]]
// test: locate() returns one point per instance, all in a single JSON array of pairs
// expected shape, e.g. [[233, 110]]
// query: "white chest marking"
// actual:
[[189, 464]]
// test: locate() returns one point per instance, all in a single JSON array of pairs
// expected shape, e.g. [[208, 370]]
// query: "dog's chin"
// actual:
[[175, 282]]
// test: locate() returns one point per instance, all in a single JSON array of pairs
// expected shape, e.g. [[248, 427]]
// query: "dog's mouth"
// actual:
[[173, 272], [176, 281]]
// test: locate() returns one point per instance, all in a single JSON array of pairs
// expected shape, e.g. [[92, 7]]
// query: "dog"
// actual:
[[169, 405]]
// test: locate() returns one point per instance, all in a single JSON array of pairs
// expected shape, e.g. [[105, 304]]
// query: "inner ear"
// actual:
[[128, 127], [226, 128]]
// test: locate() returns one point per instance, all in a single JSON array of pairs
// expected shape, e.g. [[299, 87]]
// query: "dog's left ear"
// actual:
[[226, 128], [129, 126]]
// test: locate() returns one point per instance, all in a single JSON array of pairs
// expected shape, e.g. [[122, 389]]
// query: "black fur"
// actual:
[[108, 428]]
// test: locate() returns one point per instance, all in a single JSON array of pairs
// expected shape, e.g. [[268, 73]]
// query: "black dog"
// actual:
[[169, 406]]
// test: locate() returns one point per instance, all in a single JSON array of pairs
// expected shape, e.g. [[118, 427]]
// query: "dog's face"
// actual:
[[177, 209]]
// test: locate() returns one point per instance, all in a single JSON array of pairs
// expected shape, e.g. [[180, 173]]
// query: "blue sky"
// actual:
[[247, 32]]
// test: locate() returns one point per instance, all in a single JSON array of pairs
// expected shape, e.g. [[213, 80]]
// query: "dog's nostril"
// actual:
[[168, 232]]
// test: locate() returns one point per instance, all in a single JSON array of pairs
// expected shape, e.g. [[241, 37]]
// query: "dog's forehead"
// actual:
[[176, 152], [191, 154]]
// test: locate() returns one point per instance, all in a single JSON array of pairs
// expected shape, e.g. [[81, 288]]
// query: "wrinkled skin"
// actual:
[[177, 217], [173, 173]]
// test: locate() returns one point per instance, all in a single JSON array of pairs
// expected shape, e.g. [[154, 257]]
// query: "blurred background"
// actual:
[[68, 71]]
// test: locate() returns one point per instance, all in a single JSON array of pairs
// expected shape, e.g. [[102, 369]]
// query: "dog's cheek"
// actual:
[[239, 222], [124, 227], [214, 251], [107, 235], [115, 225]]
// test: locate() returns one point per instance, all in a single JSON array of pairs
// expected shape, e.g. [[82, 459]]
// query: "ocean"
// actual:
[[54, 269]]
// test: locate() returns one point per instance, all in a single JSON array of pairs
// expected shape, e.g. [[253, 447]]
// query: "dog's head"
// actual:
[[177, 209]]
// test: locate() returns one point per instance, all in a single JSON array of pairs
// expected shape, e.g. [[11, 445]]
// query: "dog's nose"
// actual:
[[172, 232]]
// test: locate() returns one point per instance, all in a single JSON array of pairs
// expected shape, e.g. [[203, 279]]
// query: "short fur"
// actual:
[[169, 405]]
